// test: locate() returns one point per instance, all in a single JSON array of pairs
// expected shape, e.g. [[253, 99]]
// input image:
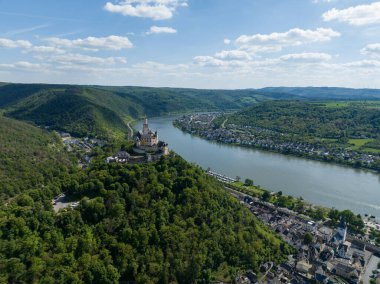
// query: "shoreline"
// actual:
[[279, 152]]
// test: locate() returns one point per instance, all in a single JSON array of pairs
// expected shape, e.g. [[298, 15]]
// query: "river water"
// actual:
[[320, 183]]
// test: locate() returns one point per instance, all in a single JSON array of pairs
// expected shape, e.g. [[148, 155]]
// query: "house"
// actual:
[[303, 267], [343, 250], [324, 234], [346, 271], [122, 155], [320, 276]]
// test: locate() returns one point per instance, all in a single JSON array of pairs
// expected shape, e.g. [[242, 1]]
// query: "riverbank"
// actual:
[[324, 150], [364, 228], [322, 251]]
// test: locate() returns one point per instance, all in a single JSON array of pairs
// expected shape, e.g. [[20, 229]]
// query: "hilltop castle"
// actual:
[[146, 137], [148, 141]]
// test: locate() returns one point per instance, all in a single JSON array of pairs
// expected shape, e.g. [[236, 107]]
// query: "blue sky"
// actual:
[[191, 43]]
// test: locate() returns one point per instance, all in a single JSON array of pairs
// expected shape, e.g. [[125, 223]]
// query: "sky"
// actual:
[[213, 44]]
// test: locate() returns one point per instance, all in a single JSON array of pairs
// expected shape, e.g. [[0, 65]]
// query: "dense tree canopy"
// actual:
[[29, 157], [154, 223], [310, 119]]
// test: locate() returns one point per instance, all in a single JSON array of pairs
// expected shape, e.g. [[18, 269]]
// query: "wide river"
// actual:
[[320, 183]]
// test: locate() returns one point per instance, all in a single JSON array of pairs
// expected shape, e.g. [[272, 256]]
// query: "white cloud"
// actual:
[[80, 59], [227, 41], [8, 43], [324, 1], [276, 41], [210, 61], [306, 57], [226, 59], [154, 9], [161, 30], [372, 50], [356, 15], [152, 66], [364, 64], [233, 55], [111, 42], [24, 65], [45, 49]]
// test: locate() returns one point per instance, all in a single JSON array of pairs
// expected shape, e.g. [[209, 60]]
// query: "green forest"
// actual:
[[311, 119], [163, 222], [29, 157]]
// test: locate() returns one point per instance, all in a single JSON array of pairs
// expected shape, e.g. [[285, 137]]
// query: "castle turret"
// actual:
[[145, 126]]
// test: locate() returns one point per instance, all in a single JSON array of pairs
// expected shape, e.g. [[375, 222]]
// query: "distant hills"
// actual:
[[104, 111], [325, 93]]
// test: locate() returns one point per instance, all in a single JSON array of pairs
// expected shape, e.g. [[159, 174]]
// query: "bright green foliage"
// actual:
[[355, 222], [166, 222]]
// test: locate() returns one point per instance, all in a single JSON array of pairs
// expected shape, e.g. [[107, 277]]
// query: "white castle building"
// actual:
[[147, 140], [147, 137]]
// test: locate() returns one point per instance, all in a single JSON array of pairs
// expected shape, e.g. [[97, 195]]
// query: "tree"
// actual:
[[266, 196], [307, 238], [248, 182]]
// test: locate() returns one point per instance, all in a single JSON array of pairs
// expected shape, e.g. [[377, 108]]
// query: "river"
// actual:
[[320, 183]]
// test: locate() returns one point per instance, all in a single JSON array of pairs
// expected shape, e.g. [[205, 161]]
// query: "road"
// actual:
[[372, 265], [130, 129], [265, 275]]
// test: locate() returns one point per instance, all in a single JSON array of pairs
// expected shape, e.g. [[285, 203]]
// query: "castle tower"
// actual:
[[145, 126]]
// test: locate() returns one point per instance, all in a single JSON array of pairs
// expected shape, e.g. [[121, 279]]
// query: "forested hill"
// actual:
[[163, 222], [324, 120], [29, 158], [325, 93]]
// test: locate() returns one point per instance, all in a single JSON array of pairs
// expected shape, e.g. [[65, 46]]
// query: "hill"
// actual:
[[29, 157], [164, 222], [314, 119], [325, 93], [70, 110]]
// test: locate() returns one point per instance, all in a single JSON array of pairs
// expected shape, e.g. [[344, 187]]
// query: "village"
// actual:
[[249, 136], [323, 254]]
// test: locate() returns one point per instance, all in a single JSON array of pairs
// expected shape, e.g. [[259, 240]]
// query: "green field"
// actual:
[[371, 150], [358, 143], [343, 104]]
